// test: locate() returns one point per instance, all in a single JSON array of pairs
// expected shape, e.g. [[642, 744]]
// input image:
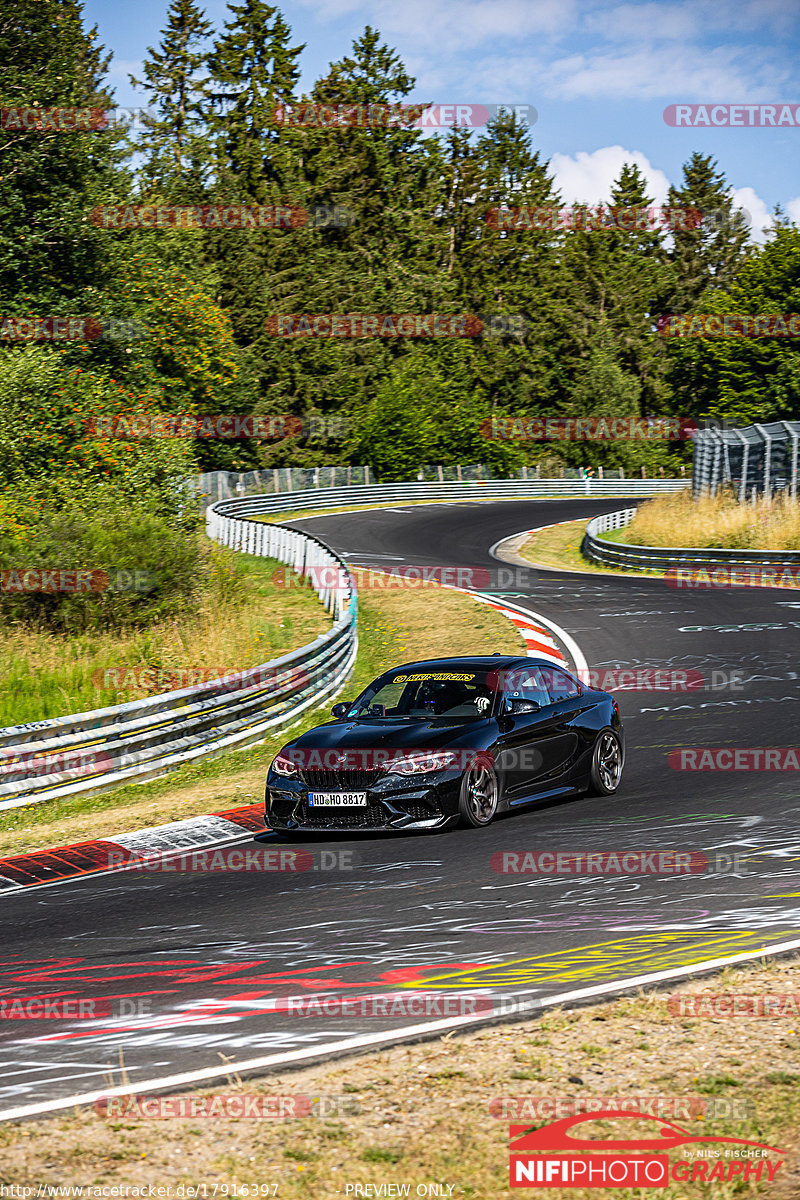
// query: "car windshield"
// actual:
[[414, 695]]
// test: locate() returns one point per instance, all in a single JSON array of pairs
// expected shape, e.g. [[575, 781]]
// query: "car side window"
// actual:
[[560, 685], [526, 683]]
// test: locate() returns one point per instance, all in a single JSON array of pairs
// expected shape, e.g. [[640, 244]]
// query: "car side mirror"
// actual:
[[341, 709]]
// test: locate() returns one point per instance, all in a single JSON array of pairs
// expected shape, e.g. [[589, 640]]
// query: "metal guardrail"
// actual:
[[213, 486], [93, 751], [660, 558], [495, 489]]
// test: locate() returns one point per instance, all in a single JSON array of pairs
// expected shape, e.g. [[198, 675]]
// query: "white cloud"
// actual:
[[793, 210], [703, 19], [452, 25], [646, 22], [759, 216], [587, 177], [674, 71]]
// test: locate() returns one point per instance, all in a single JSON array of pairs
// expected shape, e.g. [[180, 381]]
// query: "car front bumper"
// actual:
[[391, 805]]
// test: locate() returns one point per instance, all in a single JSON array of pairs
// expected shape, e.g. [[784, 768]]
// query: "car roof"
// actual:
[[479, 663]]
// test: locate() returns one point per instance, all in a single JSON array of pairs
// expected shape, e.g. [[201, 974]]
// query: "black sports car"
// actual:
[[431, 743]]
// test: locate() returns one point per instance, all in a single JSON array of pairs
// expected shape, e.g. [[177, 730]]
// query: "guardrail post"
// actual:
[[767, 459]]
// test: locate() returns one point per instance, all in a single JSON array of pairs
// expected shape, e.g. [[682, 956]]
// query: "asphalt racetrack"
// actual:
[[206, 963]]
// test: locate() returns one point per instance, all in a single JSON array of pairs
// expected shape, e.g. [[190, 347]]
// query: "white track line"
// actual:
[[371, 1041]]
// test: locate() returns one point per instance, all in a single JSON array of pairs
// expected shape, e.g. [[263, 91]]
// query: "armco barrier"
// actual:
[[494, 489], [93, 751], [660, 558]]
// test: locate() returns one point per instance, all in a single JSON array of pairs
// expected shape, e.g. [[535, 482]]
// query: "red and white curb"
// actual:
[[538, 641], [93, 858]]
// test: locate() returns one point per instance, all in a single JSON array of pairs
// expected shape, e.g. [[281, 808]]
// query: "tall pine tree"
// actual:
[[174, 141]]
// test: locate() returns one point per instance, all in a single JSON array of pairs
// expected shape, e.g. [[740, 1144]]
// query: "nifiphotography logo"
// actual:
[[555, 1156]]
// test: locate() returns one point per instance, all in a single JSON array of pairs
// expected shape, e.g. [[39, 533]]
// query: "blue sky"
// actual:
[[599, 75]]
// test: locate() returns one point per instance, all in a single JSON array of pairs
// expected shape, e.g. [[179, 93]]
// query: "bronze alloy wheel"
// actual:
[[480, 793], [607, 764]]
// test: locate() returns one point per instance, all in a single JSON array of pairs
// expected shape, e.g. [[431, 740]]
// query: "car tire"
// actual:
[[480, 794], [608, 759]]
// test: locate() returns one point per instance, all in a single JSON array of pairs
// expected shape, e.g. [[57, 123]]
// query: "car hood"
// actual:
[[400, 735]]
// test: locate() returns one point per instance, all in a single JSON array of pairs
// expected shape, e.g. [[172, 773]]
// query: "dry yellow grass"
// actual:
[[716, 522]]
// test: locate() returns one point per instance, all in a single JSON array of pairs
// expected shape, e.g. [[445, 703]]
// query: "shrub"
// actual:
[[155, 565]]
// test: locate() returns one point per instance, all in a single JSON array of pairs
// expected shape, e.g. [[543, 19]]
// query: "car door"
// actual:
[[567, 705], [526, 750]]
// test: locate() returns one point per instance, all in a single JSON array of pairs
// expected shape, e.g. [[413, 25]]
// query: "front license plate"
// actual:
[[337, 799]]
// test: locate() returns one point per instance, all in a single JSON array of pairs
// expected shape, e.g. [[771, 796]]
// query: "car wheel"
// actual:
[[607, 762], [480, 794]]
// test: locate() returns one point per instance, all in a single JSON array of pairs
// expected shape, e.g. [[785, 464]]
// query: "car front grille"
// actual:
[[352, 780], [348, 818], [416, 809]]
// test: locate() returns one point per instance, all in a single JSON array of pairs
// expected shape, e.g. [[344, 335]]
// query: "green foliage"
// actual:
[[253, 67], [707, 254], [144, 568], [48, 413], [421, 416], [188, 352], [51, 257], [746, 379], [420, 239], [604, 389]]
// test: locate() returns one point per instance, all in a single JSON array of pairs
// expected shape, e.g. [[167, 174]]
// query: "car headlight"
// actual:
[[283, 765], [421, 764]]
